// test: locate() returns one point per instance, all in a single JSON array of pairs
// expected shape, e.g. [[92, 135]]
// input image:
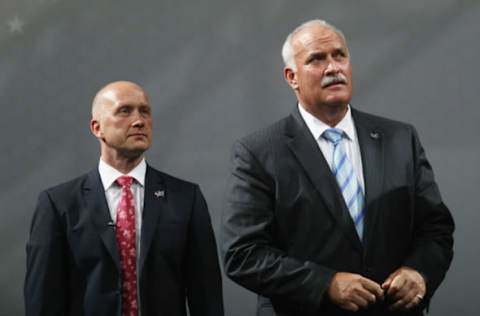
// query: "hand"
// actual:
[[406, 287], [352, 291]]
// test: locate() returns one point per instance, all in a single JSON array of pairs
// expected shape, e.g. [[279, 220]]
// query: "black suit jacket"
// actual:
[[72, 260], [287, 230]]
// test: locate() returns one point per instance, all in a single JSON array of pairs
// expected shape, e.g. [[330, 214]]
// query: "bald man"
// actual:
[[125, 238]]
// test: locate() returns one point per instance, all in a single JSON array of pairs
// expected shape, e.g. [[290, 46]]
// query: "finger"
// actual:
[[359, 300], [398, 305], [387, 282], [414, 302], [396, 284], [409, 289], [405, 293], [349, 306], [406, 301], [367, 296], [409, 300], [418, 284], [373, 287]]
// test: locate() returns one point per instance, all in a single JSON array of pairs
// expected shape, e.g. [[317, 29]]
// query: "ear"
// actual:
[[291, 77], [95, 128]]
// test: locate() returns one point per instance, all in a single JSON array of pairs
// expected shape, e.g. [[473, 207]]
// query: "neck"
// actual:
[[329, 114], [122, 164]]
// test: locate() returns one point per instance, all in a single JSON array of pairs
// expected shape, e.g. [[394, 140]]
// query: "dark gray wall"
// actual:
[[214, 73]]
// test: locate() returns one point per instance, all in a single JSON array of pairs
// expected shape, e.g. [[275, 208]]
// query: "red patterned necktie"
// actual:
[[126, 241]]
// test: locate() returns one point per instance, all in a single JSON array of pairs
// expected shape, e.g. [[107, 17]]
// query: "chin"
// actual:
[[335, 104], [138, 149], [139, 144], [342, 104], [141, 149], [337, 101], [340, 97]]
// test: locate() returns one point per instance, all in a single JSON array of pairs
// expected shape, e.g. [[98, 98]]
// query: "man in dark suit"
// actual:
[[332, 211], [125, 238]]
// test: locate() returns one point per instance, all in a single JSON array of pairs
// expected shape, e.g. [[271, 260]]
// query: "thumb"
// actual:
[[387, 282]]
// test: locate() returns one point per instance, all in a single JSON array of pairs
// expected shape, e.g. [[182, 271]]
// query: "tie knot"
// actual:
[[125, 181], [333, 135]]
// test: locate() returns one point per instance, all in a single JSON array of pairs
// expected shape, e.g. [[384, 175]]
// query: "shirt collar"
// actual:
[[109, 175], [317, 127]]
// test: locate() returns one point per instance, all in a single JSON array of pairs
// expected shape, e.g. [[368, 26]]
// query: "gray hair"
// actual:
[[287, 49]]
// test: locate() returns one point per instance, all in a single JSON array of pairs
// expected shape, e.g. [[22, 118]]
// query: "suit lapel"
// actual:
[[310, 157], [155, 200], [96, 205], [370, 139]]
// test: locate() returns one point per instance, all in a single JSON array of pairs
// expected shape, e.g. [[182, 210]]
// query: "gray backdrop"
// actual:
[[214, 73]]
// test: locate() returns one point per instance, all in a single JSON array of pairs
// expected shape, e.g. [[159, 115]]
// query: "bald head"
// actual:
[[122, 122], [112, 92]]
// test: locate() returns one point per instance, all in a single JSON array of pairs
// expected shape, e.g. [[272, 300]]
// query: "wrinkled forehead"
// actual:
[[318, 37]]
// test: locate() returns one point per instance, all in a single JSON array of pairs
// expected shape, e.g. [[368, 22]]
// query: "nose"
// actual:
[[139, 123], [332, 67], [138, 120]]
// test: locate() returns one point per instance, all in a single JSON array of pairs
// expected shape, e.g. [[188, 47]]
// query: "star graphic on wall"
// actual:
[[16, 25]]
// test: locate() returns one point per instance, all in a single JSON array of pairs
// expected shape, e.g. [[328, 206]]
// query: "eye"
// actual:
[[315, 58], [124, 110], [339, 54], [145, 111]]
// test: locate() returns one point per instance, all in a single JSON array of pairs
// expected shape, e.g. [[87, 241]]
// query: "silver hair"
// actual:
[[287, 49]]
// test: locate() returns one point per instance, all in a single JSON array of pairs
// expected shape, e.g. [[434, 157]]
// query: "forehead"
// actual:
[[317, 38], [130, 95]]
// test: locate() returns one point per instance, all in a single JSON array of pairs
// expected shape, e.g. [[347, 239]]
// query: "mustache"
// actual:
[[333, 79]]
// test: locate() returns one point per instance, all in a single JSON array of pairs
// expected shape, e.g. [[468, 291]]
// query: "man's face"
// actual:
[[324, 74], [124, 122]]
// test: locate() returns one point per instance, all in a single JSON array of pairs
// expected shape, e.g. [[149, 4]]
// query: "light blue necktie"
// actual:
[[346, 178]]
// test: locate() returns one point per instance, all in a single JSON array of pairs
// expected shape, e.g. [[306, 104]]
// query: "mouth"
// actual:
[[334, 84], [138, 135]]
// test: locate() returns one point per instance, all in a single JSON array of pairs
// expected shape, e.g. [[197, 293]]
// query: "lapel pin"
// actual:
[[375, 135], [159, 194]]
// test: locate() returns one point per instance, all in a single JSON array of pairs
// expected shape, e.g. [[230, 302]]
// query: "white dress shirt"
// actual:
[[113, 192], [352, 146]]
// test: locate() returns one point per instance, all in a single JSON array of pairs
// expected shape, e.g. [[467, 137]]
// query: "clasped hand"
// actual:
[[405, 287]]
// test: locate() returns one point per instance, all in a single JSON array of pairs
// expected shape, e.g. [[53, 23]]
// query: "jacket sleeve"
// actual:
[[204, 283], [252, 257], [46, 284], [432, 250]]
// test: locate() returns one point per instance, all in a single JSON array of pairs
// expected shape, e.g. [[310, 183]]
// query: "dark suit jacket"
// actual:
[[287, 230], [73, 265]]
